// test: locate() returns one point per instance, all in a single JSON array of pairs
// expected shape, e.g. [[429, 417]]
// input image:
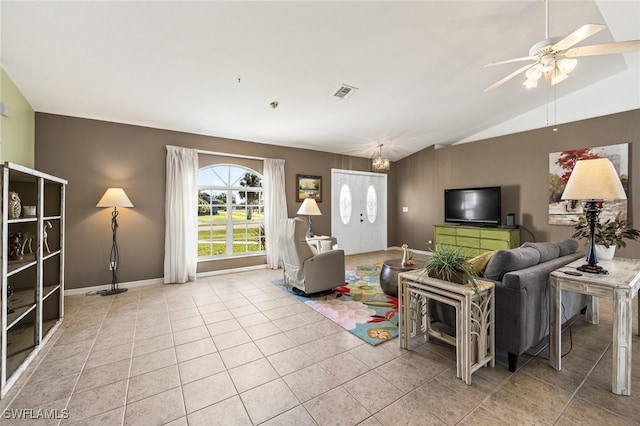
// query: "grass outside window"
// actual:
[[247, 234]]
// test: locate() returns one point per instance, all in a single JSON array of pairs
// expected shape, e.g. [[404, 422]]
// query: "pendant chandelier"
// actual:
[[380, 163]]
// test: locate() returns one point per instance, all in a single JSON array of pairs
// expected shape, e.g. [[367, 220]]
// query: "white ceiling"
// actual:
[[212, 68]]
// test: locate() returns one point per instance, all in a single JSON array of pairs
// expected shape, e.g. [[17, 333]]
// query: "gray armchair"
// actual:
[[306, 272]]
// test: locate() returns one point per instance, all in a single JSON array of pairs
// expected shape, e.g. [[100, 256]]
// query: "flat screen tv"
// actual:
[[473, 206]]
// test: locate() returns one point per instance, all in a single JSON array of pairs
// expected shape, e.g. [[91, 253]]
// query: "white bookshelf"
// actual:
[[35, 309]]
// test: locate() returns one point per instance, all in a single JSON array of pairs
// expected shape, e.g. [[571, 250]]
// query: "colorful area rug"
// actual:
[[360, 306]]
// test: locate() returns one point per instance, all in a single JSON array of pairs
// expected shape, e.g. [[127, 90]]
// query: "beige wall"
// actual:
[[17, 130], [94, 155], [520, 164]]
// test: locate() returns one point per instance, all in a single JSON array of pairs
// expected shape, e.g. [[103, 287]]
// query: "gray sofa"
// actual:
[[522, 294]]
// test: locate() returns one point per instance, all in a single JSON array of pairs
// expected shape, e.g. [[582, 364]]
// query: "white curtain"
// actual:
[[275, 208], [181, 220]]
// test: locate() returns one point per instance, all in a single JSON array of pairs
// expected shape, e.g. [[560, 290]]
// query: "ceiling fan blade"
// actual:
[[603, 49], [584, 32], [508, 61], [509, 77]]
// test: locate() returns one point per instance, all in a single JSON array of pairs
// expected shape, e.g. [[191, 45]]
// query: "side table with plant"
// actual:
[[474, 319], [611, 234], [450, 264]]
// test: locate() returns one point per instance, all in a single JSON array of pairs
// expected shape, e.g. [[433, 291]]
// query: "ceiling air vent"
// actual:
[[345, 91]]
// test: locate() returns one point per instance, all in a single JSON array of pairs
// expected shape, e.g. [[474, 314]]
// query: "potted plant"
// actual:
[[450, 264], [610, 234]]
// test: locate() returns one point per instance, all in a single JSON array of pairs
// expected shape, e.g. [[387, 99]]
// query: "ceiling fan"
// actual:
[[553, 57]]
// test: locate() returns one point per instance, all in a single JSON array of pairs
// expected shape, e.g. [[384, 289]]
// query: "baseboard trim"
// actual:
[[230, 271], [130, 284], [424, 252], [153, 281]]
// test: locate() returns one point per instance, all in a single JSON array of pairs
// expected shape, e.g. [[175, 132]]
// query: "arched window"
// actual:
[[230, 211]]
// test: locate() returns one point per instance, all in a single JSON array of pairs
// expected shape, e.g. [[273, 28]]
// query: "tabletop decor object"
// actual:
[[450, 264], [593, 181], [310, 208], [608, 235], [15, 206]]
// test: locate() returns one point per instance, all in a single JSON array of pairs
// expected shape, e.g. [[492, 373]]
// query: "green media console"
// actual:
[[474, 240]]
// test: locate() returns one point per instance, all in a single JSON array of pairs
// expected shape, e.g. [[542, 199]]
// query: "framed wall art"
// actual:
[[308, 187], [568, 212]]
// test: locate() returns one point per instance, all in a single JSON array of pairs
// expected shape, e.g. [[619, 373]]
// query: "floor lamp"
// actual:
[[114, 197], [593, 181], [310, 208]]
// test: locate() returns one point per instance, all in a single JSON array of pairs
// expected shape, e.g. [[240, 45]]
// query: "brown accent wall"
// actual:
[[94, 155], [520, 164]]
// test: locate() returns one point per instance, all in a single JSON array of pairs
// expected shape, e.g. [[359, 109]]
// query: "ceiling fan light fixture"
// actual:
[[550, 67], [557, 77], [530, 83], [565, 66], [534, 73], [548, 51]]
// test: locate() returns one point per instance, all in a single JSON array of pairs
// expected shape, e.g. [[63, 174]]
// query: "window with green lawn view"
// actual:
[[230, 211]]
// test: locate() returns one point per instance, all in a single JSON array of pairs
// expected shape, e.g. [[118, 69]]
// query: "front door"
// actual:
[[359, 210]]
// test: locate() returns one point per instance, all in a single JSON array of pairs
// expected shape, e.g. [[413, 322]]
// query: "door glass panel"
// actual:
[[345, 204], [372, 204]]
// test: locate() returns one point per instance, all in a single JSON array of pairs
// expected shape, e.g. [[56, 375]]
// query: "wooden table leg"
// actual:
[[555, 324], [593, 310], [403, 312], [622, 333]]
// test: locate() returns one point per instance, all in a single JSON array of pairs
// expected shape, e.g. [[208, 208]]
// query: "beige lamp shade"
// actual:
[[595, 179], [309, 207], [114, 197]]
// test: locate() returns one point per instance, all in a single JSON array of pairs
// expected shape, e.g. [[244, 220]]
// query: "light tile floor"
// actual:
[[237, 350]]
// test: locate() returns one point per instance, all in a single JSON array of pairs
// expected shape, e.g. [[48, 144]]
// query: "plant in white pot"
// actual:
[[608, 235]]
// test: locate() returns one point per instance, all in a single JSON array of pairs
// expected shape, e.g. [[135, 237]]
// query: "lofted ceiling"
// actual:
[[213, 68]]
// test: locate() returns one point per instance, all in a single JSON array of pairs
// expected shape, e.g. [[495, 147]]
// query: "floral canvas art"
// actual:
[[568, 212], [360, 306]]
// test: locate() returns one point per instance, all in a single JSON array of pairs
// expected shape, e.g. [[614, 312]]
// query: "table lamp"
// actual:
[[114, 197], [593, 181], [310, 208]]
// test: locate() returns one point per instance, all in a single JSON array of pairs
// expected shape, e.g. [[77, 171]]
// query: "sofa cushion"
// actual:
[[478, 264], [504, 261], [547, 251], [567, 247]]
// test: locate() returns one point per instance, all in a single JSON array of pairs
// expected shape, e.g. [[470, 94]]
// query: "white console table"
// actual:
[[475, 318], [621, 285]]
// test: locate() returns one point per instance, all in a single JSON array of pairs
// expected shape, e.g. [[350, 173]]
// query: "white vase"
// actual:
[[605, 253]]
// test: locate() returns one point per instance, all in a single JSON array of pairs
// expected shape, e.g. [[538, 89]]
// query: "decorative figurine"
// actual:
[[15, 246], [28, 237], [407, 256], [15, 206], [47, 225]]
